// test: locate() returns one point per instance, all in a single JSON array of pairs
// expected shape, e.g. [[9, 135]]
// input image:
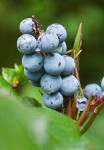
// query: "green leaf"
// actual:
[[14, 75], [31, 102], [95, 134], [5, 87], [29, 90], [23, 128], [77, 41]]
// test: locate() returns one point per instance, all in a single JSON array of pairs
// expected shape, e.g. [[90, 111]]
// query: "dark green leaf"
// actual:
[[32, 102], [29, 90], [95, 134], [23, 128]]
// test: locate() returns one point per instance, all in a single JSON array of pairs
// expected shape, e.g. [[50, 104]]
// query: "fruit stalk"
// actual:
[[93, 117]]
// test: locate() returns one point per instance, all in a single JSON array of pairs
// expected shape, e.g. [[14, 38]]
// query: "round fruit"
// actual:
[[32, 62], [26, 26], [69, 85], [26, 44], [53, 100], [59, 30], [61, 49], [54, 64], [93, 89], [48, 41], [51, 83], [64, 48], [35, 76], [69, 65], [81, 103]]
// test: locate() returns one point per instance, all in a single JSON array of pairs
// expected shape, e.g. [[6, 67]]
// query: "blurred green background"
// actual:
[[69, 13]]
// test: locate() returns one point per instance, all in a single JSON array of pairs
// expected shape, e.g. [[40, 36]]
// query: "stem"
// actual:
[[86, 127], [74, 110], [93, 117], [77, 76], [68, 52], [37, 27], [78, 53], [68, 109]]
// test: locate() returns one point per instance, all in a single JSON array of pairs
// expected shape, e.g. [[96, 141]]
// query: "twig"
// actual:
[[36, 27], [68, 52], [68, 109], [93, 117], [71, 110], [77, 76], [74, 110], [77, 55]]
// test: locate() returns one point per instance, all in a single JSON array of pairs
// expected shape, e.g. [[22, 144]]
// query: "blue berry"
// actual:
[[58, 49], [26, 26], [93, 89], [51, 83], [26, 44], [81, 103], [47, 41], [59, 30], [64, 48], [35, 83], [35, 76], [53, 101], [32, 62], [61, 49], [69, 85], [54, 64], [69, 65], [102, 83]]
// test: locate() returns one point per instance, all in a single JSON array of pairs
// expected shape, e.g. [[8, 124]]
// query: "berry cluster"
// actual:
[[45, 63]]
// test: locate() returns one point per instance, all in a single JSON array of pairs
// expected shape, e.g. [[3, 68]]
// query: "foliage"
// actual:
[[24, 127]]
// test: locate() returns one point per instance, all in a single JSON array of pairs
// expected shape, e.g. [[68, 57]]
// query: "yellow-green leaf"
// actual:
[[78, 41]]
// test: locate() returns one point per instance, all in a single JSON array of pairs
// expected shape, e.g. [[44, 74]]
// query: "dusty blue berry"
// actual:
[[26, 26], [59, 30], [32, 62], [48, 41], [69, 65], [69, 85], [53, 101], [93, 89], [54, 64], [35, 76], [64, 48], [61, 48], [81, 103], [26, 44], [51, 83]]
